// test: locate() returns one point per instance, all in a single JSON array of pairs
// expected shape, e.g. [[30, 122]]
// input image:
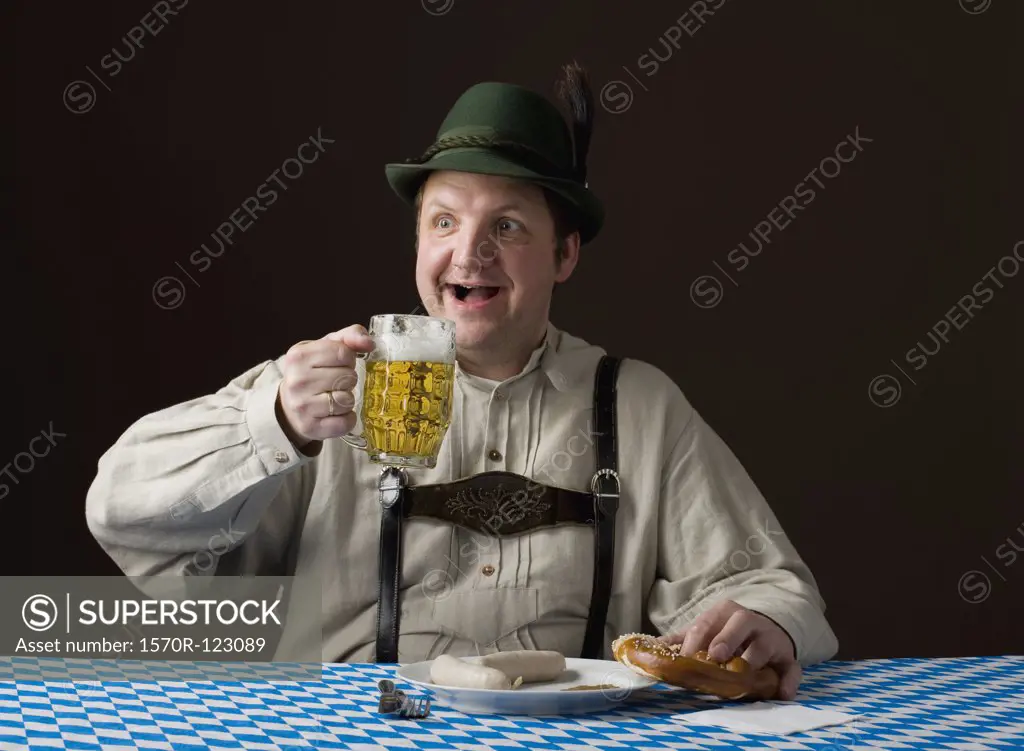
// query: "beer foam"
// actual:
[[415, 347]]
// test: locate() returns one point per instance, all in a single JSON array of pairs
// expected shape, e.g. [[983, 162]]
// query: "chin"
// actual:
[[473, 334]]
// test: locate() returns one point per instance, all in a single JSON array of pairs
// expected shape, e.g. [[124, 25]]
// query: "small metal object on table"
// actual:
[[394, 701]]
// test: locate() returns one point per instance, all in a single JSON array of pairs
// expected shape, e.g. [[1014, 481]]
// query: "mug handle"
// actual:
[[357, 440]]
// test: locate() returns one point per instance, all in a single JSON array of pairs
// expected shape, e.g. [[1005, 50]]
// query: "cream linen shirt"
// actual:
[[183, 484]]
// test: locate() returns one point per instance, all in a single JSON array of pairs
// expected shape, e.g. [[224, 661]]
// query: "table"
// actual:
[[968, 704]]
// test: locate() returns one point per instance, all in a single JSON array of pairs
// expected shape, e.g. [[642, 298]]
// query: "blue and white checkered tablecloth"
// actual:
[[967, 704]]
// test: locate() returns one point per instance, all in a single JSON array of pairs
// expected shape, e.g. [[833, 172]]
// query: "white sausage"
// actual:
[[446, 670], [532, 665]]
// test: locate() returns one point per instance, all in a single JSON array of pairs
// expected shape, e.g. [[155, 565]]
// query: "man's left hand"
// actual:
[[728, 629]]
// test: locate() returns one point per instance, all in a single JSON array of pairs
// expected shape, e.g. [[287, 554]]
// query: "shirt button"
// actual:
[[487, 570], [281, 456], [494, 455], [499, 395]]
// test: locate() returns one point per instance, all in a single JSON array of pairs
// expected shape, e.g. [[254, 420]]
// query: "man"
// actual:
[[660, 530]]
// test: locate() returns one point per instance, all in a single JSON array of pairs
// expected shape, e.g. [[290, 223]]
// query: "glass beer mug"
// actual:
[[406, 390]]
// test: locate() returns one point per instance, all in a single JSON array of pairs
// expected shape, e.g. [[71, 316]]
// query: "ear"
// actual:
[[572, 256]]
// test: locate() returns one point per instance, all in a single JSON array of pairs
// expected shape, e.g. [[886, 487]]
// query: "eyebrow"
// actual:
[[434, 205]]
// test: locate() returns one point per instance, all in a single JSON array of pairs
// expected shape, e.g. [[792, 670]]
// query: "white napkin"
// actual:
[[766, 717]]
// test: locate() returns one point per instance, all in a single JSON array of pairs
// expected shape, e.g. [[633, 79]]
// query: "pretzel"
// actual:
[[665, 662]]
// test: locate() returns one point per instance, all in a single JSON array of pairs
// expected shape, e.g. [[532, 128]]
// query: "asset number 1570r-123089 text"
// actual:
[[186, 644]]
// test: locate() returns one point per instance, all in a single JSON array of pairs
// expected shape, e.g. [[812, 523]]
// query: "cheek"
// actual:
[[529, 278], [429, 266]]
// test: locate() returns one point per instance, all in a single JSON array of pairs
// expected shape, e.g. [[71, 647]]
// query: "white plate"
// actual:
[[547, 698]]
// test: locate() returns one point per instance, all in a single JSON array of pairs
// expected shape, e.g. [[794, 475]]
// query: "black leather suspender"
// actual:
[[604, 494], [392, 498], [605, 488]]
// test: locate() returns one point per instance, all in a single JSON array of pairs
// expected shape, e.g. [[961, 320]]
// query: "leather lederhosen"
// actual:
[[505, 504]]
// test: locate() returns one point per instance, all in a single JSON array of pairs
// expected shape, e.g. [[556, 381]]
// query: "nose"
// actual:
[[475, 249]]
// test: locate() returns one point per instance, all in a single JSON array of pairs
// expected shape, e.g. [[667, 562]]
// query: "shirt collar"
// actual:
[[546, 358], [552, 359], [556, 361]]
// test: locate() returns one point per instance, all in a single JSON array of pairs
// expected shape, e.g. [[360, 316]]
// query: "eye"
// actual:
[[509, 225], [444, 222]]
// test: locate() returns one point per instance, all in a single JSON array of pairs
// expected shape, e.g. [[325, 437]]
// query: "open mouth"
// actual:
[[474, 293]]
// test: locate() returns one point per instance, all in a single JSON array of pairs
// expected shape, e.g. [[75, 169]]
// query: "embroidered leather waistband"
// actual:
[[499, 503]]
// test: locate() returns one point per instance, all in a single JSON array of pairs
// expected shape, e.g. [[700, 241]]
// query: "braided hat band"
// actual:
[[521, 152]]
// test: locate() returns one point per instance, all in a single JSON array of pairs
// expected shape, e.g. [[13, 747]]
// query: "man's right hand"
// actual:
[[312, 370]]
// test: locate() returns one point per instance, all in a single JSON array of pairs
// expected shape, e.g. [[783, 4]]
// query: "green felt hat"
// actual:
[[510, 131]]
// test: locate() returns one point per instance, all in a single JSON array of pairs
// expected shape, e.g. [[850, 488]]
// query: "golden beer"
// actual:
[[407, 408], [407, 390]]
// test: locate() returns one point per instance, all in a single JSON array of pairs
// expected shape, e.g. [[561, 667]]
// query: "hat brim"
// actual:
[[406, 179]]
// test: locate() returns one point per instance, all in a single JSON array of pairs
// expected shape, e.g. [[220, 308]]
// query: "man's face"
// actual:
[[486, 258]]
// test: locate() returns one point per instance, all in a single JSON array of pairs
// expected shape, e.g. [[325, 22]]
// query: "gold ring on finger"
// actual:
[[330, 404]]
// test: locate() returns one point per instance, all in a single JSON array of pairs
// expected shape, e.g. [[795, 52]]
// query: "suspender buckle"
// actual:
[[599, 496], [595, 483], [391, 482]]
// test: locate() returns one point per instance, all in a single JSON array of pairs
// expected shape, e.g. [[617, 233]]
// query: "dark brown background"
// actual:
[[890, 507]]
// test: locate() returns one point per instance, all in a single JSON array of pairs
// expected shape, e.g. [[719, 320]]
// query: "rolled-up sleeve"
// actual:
[[200, 474], [719, 540]]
